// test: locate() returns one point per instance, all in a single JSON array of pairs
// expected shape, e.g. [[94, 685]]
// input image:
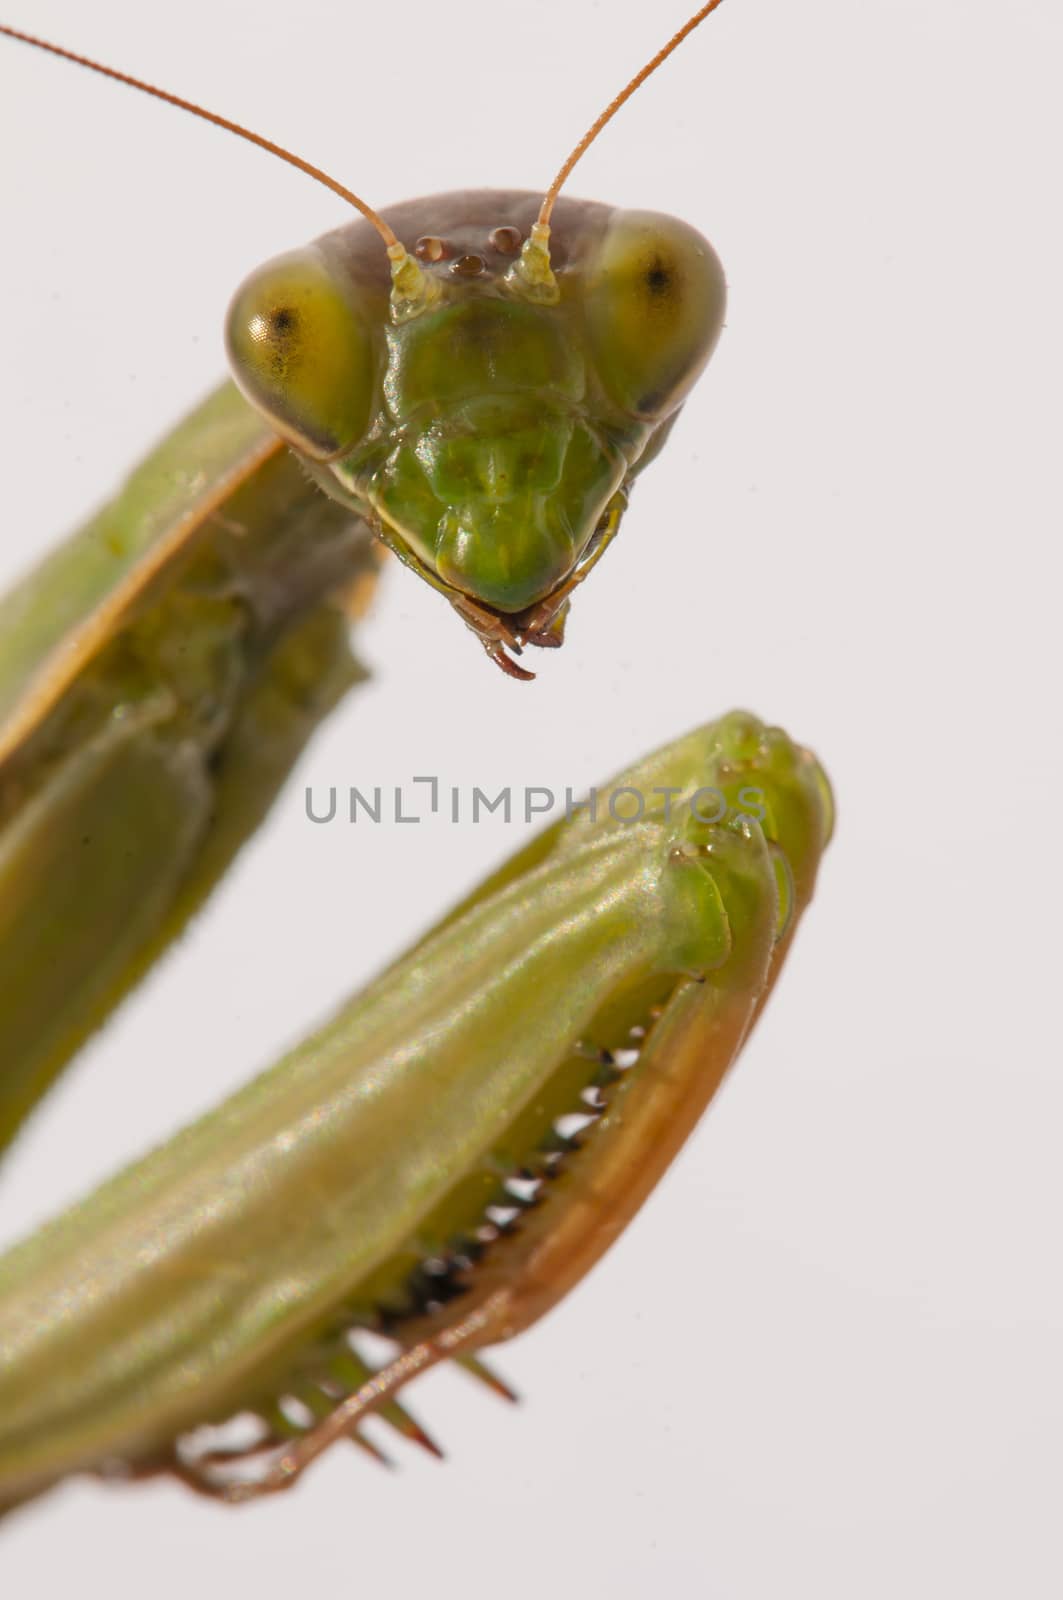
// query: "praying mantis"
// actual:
[[475, 381]]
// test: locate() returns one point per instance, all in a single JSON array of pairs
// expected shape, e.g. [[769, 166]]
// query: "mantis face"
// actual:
[[486, 425]]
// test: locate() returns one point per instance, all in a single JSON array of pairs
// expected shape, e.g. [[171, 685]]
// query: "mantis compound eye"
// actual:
[[302, 355], [654, 310]]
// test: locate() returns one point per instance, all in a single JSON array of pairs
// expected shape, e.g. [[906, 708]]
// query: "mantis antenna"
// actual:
[[394, 248], [411, 286], [535, 257]]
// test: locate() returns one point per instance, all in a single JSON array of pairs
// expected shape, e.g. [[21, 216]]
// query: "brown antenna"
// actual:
[[395, 250], [614, 106]]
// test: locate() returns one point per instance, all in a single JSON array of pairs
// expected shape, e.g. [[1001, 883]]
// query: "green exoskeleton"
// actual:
[[478, 397], [490, 429], [480, 376], [474, 380], [409, 1169]]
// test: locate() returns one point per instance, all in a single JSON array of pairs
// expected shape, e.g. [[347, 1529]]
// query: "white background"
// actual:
[[825, 1361]]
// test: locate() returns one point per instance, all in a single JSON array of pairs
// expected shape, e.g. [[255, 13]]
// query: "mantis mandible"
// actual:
[[474, 380]]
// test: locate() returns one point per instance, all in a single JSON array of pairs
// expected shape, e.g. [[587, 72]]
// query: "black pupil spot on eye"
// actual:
[[282, 321], [658, 277]]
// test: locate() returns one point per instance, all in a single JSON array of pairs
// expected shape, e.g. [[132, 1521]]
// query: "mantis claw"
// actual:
[[683, 924]]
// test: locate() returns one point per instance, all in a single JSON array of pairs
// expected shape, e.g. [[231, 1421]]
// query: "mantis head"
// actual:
[[486, 420]]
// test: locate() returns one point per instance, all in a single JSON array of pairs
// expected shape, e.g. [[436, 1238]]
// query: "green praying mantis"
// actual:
[[474, 381]]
